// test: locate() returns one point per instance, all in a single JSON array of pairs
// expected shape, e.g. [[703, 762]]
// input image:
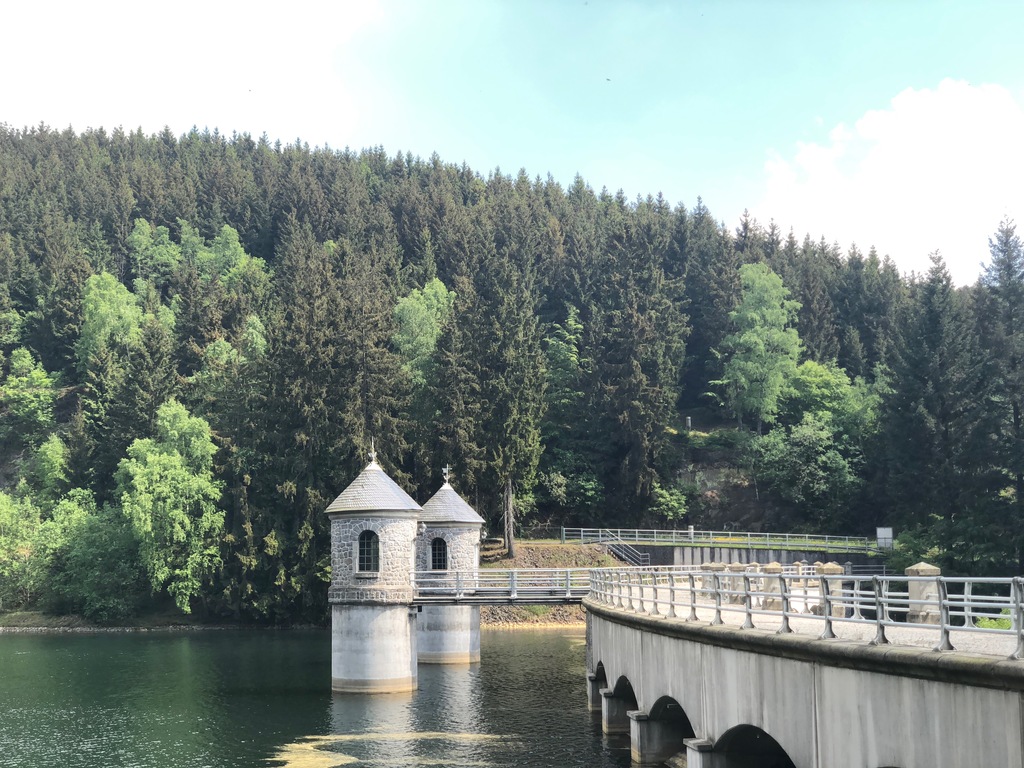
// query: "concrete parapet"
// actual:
[[923, 590]]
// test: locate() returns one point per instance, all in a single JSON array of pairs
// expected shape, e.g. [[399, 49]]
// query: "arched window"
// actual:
[[439, 555], [369, 552]]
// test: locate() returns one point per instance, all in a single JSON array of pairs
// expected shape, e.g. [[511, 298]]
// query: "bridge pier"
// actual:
[[700, 753], [594, 686], [614, 712], [652, 742], [449, 634]]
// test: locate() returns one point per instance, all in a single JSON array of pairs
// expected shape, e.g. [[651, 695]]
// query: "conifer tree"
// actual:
[[1002, 312], [938, 422]]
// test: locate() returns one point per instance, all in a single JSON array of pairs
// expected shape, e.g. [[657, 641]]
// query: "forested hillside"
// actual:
[[200, 336]]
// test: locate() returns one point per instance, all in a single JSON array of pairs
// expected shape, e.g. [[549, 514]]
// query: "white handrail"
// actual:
[[746, 539], [951, 604]]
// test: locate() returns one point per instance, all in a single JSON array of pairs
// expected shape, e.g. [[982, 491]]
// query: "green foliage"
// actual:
[[111, 319], [169, 495], [20, 574], [27, 398], [420, 317], [761, 353], [153, 255], [96, 572], [49, 470], [994, 623], [803, 465], [548, 363], [668, 503]]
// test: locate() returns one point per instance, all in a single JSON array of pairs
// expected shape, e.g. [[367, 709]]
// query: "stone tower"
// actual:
[[448, 543], [373, 628]]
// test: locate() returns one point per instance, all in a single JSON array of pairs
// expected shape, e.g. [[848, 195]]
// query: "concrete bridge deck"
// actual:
[[725, 670]]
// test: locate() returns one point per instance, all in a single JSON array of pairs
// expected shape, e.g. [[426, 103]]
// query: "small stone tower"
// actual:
[[373, 629], [448, 542]]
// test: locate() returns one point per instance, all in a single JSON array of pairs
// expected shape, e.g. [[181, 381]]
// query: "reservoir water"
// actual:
[[262, 698]]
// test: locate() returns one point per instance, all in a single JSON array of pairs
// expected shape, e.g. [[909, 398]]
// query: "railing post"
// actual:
[[693, 597], [880, 613], [563, 534], [458, 583], [856, 599], [968, 612], [944, 644], [1018, 615], [568, 584], [671, 595], [785, 629], [654, 597], [826, 608], [512, 584], [748, 621], [718, 601]]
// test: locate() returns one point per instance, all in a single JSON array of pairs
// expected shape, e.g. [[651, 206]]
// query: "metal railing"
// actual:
[[628, 554], [746, 539], [939, 604], [532, 586]]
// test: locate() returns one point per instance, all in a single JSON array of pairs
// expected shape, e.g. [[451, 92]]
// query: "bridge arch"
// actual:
[[658, 735], [747, 746], [619, 701]]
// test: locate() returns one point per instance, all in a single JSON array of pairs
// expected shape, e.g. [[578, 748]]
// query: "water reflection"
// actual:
[[242, 699]]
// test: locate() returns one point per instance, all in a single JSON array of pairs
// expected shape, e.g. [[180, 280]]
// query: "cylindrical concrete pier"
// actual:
[[373, 649], [449, 634]]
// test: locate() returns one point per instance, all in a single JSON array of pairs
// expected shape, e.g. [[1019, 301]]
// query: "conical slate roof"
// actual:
[[446, 506], [373, 491]]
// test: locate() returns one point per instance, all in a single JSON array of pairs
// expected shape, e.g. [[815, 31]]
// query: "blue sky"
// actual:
[[897, 124]]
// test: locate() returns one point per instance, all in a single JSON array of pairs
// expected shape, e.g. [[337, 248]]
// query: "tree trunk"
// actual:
[[508, 507]]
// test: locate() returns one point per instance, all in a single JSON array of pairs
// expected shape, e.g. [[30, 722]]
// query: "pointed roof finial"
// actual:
[[373, 453], [446, 472]]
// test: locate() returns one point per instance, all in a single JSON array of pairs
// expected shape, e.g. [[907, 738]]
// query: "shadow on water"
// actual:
[[240, 698]]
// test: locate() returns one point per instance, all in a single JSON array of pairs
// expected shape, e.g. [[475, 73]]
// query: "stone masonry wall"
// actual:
[[463, 547], [393, 583]]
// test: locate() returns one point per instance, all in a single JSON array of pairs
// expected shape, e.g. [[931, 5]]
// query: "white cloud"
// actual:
[[936, 170]]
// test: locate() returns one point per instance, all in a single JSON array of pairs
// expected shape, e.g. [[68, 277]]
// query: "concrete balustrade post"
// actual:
[[735, 583], [772, 587], [614, 712], [927, 610]]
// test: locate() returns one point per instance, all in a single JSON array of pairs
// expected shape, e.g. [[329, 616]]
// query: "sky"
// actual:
[[898, 125]]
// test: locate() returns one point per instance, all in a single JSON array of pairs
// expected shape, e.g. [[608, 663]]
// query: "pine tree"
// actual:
[[712, 292], [1002, 309], [938, 423]]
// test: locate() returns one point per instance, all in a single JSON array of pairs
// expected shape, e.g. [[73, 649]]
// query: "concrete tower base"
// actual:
[[449, 634], [373, 648]]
